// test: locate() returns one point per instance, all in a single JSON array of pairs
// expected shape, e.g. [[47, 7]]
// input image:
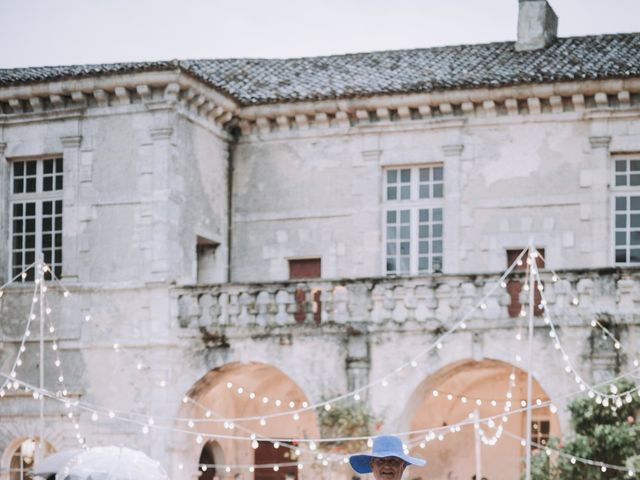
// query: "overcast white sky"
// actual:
[[60, 32]]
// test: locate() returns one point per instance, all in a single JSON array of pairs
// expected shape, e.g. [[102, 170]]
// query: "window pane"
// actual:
[[405, 175], [621, 256], [634, 180], [437, 264], [634, 255], [391, 233], [404, 264], [17, 209], [391, 216], [424, 191], [392, 176], [18, 185], [437, 246], [621, 180], [621, 221], [437, 173], [423, 231], [392, 193], [423, 264], [621, 203], [424, 174], [47, 166], [437, 214], [424, 215], [634, 238], [47, 184], [423, 247], [635, 165], [391, 264], [405, 232], [437, 190], [59, 182], [31, 208], [635, 220], [621, 238], [405, 192], [18, 169], [437, 230], [46, 224], [391, 248], [404, 248], [31, 185], [635, 203], [404, 216], [32, 167], [58, 165]]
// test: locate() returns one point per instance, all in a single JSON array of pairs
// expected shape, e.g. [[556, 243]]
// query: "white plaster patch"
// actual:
[[568, 240], [281, 236]]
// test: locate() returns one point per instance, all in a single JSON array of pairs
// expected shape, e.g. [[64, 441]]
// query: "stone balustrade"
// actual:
[[432, 300]]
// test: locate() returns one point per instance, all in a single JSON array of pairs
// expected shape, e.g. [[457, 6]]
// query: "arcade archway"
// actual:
[[229, 412], [488, 388]]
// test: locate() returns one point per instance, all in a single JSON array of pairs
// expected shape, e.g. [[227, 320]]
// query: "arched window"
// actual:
[[23, 458], [210, 453]]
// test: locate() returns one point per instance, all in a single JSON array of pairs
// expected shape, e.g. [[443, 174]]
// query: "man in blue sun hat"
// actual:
[[387, 459]]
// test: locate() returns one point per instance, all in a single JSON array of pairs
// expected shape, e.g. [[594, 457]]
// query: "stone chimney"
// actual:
[[537, 25]]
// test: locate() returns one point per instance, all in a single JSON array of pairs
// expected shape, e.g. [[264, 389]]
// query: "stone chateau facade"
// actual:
[[300, 229]]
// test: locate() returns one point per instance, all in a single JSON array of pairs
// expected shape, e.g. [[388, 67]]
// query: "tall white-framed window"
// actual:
[[626, 206], [36, 214], [413, 219]]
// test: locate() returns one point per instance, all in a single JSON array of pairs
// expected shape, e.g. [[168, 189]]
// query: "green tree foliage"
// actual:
[[609, 434], [346, 420]]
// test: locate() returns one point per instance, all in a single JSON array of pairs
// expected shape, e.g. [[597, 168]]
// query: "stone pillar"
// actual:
[[600, 214], [5, 179], [161, 167], [70, 212], [451, 227], [358, 362]]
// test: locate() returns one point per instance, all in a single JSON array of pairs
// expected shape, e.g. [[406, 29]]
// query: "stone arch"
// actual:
[[12, 447], [211, 453], [449, 395], [225, 393]]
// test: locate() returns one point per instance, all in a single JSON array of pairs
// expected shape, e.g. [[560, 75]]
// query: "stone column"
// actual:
[[451, 258], [600, 214], [70, 212]]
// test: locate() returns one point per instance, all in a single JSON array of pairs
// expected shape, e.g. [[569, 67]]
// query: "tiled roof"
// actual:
[[262, 81]]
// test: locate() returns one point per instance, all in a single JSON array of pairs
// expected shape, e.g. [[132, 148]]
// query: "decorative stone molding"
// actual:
[[453, 150], [600, 141], [158, 134], [3, 148], [71, 141]]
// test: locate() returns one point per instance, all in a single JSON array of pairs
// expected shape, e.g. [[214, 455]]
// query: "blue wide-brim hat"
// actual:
[[383, 446]]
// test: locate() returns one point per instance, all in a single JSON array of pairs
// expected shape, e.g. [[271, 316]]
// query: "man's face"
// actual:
[[387, 468]]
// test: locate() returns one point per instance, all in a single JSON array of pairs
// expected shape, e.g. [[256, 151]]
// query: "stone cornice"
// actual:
[[153, 90], [174, 89]]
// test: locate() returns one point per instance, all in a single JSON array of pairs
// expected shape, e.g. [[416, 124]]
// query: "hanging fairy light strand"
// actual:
[[145, 420], [600, 397]]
